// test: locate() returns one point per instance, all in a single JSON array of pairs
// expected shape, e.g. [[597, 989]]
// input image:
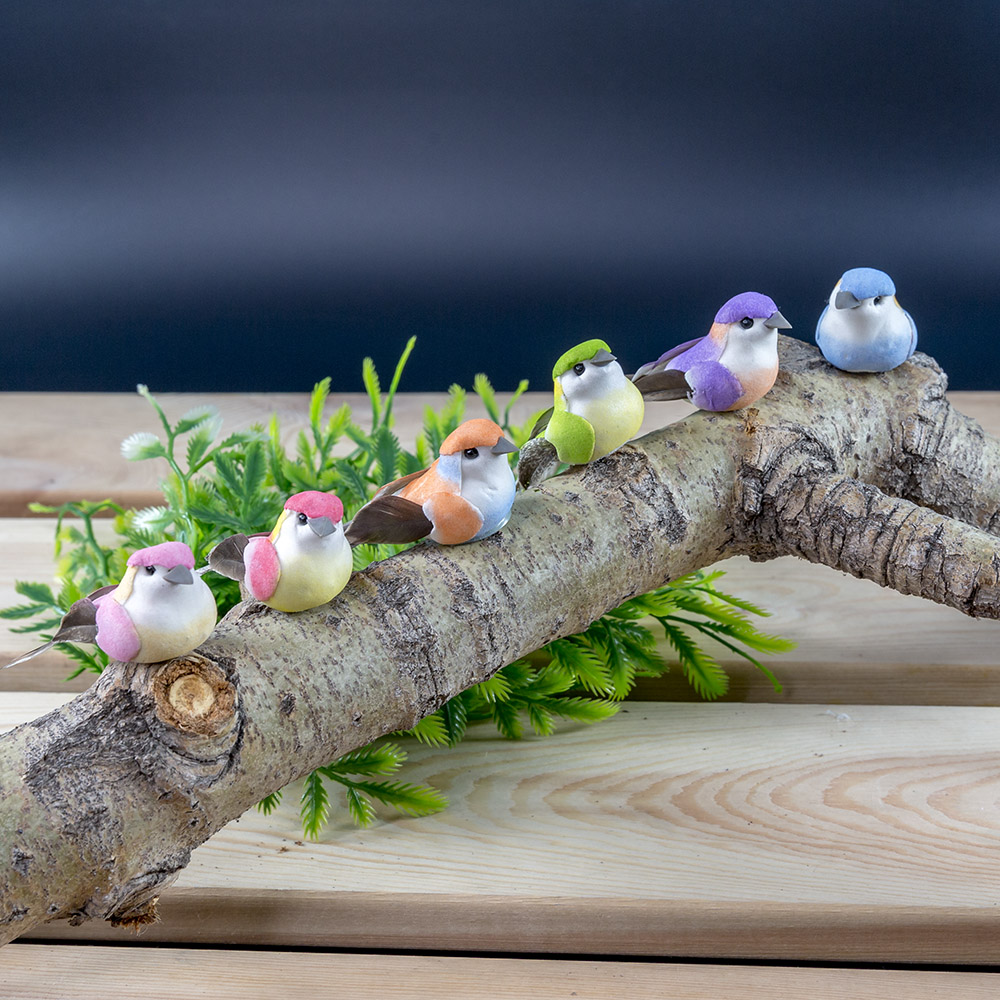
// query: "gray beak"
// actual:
[[503, 447], [602, 358], [777, 322], [846, 300], [179, 574], [323, 526]]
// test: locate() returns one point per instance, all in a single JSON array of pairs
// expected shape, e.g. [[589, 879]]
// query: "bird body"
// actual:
[[159, 610], [304, 562], [863, 327], [463, 496], [732, 366], [596, 408]]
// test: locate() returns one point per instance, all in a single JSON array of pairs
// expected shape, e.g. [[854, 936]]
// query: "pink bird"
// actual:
[[304, 562], [159, 610]]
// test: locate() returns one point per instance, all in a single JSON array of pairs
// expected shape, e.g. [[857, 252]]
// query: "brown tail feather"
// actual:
[[390, 520]]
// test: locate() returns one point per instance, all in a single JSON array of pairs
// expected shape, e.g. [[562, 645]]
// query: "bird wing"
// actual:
[[659, 385], [913, 334], [262, 567], [389, 519], [455, 519], [572, 436], [713, 386], [116, 634], [819, 325], [227, 557], [398, 484], [669, 356], [79, 624], [542, 422]]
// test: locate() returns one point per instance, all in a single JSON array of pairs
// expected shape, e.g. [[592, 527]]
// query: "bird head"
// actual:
[[475, 450], [749, 315], [864, 288], [587, 372], [157, 567], [310, 516]]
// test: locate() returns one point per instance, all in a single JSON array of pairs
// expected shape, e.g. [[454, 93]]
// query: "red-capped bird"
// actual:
[[304, 562]]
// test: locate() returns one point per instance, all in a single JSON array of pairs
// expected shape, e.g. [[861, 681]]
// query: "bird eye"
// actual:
[[303, 519], [580, 368], [471, 453], [746, 322], [876, 300], [150, 570]]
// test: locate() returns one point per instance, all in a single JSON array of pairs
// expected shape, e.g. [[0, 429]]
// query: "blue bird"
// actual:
[[863, 328]]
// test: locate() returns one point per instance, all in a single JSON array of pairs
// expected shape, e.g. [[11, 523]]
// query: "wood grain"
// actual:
[[749, 831], [44, 972]]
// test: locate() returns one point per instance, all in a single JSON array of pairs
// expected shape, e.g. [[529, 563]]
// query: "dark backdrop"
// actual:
[[236, 196]]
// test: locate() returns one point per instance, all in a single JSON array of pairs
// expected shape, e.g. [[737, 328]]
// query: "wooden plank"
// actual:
[[45, 972], [929, 655], [56, 447], [866, 833]]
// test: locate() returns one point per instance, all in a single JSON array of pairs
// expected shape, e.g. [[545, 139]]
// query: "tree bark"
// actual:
[[103, 800]]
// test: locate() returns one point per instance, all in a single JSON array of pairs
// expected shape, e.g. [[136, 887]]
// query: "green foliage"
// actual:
[[214, 486]]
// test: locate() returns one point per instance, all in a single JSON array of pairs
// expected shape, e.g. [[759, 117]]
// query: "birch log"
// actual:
[[103, 800]]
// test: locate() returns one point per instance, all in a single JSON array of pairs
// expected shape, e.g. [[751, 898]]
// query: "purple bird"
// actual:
[[732, 366]]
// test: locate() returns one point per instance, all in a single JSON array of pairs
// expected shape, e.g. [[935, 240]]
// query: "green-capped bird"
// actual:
[[596, 410]]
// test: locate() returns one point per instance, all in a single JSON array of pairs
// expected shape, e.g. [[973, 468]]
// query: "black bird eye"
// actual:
[[303, 519], [746, 322], [150, 570], [471, 453], [876, 300], [580, 368]]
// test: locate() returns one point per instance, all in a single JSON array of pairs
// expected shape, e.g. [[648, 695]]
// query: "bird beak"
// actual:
[[323, 526], [777, 322], [503, 447], [179, 574], [602, 357], [846, 300]]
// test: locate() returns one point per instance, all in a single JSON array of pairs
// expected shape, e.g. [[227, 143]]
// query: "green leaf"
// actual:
[[584, 664], [196, 416], [315, 808], [19, 611], [431, 731], [495, 688], [269, 803], [396, 376], [417, 800], [142, 445], [484, 390], [386, 455], [585, 710], [361, 810], [505, 718], [541, 719], [38, 592], [701, 670], [317, 400], [455, 715], [370, 378], [383, 758]]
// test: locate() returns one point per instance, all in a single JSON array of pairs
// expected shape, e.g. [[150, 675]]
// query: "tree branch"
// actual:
[[103, 800]]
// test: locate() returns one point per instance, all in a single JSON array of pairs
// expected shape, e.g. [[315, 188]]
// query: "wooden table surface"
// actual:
[[854, 818]]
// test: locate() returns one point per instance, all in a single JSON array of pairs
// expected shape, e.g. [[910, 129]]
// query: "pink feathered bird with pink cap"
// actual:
[[304, 562], [159, 610]]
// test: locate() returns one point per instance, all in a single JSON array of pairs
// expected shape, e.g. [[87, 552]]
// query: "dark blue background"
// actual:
[[205, 195]]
